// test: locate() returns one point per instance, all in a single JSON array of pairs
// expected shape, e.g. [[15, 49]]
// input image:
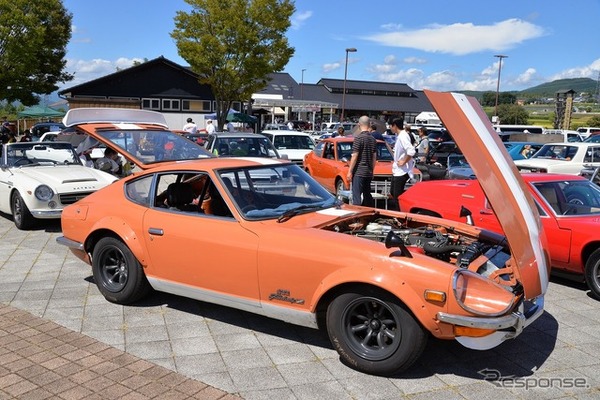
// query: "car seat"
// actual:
[[180, 196], [549, 193], [223, 149]]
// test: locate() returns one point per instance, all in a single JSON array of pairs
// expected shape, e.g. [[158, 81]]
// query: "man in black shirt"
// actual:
[[362, 164]]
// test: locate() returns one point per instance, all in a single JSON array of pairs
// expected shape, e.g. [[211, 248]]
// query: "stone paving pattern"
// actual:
[[61, 339]]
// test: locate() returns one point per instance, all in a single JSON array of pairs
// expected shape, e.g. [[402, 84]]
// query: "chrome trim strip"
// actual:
[[293, 316], [69, 243], [43, 214]]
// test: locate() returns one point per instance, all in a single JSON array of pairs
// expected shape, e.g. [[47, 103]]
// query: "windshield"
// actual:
[[293, 142], [258, 146], [152, 146], [40, 153], [556, 151], [580, 197], [267, 192]]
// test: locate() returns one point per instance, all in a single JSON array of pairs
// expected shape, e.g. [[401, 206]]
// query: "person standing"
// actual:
[[362, 164], [374, 133], [190, 126], [423, 146], [340, 132], [230, 127], [210, 128], [404, 152]]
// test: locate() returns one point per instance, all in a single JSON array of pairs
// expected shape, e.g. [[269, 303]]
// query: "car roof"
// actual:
[[236, 134], [286, 133], [538, 177]]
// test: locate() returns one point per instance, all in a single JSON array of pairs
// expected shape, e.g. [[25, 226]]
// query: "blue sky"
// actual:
[[437, 45]]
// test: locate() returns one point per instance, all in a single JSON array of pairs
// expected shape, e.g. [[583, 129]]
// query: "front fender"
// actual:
[[126, 233], [388, 279]]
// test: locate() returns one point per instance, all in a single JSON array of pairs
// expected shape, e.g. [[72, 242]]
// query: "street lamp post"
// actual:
[[302, 85], [500, 57], [348, 50]]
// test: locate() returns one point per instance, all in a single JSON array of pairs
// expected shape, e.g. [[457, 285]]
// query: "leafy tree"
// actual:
[[488, 99], [33, 40], [233, 45], [594, 121], [512, 114]]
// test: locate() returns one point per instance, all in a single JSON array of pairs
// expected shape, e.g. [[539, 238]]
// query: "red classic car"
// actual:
[[569, 208], [328, 163], [263, 236]]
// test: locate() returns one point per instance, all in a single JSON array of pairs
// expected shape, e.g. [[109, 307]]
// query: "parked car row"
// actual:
[[379, 282]]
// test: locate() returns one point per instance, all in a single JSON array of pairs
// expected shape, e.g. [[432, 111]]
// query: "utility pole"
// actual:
[[500, 57]]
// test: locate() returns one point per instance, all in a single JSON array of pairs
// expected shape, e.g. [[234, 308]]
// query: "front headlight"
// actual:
[[479, 295], [43, 193]]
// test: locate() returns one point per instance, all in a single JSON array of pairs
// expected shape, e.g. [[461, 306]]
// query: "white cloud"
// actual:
[[299, 18], [587, 71], [526, 77], [391, 27], [414, 60], [88, 70], [330, 67], [462, 38]]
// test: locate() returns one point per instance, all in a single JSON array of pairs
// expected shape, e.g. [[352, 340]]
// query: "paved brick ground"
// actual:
[[40, 359], [59, 338]]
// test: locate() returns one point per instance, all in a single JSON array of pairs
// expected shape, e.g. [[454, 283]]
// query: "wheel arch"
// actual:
[[118, 229], [587, 251], [418, 311]]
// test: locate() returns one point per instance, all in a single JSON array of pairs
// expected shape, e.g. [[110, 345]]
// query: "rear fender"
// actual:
[[123, 231]]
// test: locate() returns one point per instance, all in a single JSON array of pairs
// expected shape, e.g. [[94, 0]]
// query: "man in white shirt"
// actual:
[[190, 126], [210, 128]]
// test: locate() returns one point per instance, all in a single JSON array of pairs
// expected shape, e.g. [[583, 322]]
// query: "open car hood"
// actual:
[[141, 136], [501, 182]]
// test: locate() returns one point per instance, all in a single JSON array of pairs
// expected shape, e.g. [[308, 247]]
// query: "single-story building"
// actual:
[[165, 86]]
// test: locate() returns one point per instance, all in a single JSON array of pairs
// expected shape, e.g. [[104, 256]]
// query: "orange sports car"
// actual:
[[263, 236], [328, 163]]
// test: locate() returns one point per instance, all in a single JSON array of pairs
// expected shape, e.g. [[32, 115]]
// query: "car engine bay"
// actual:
[[485, 254]]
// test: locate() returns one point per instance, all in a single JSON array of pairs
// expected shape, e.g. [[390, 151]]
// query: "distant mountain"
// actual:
[[579, 85], [549, 89]]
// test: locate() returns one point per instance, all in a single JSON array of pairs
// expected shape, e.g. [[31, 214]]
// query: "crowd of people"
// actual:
[[407, 150]]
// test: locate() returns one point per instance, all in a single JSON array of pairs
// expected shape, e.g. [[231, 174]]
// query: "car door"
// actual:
[[326, 166], [201, 256]]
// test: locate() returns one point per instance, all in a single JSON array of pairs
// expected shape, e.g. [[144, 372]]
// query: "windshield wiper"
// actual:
[[297, 210]]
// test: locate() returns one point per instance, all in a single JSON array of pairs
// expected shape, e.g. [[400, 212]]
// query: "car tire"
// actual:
[[21, 215], [374, 333], [592, 273], [117, 273], [339, 190]]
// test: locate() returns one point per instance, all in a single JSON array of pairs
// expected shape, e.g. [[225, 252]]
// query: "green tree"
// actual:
[[33, 40], [594, 121], [233, 45], [512, 114]]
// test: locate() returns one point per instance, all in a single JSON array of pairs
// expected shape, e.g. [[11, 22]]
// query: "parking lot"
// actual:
[[259, 358]]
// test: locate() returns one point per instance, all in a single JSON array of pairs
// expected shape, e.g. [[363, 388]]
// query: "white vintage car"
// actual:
[[37, 179], [562, 158]]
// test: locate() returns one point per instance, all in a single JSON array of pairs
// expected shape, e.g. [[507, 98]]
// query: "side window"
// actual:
[[138, 190], [319, 149], [191, 193], [328, 152]]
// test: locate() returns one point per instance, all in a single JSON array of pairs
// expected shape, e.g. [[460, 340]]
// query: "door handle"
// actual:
[[156, 231]]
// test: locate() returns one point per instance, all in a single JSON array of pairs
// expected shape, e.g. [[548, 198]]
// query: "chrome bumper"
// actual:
[[69, 243], [526, 313], [46, 214]]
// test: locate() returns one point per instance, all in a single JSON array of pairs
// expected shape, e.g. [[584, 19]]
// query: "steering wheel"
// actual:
[[22, 161]]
